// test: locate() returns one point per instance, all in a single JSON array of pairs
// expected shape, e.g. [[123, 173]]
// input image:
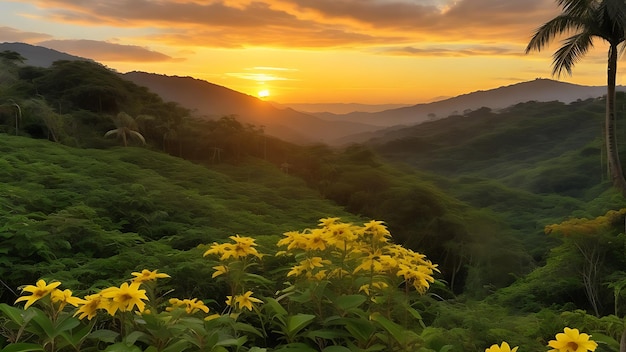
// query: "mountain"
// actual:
[[213, 101], [339, 108], [542, 90], [37, 55]]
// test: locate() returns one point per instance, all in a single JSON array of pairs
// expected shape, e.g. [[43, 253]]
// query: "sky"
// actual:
[[308, 51]]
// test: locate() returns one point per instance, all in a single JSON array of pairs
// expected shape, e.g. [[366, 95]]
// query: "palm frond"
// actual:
[[611, 16], [573, 50], [576, 8], [554, 28]]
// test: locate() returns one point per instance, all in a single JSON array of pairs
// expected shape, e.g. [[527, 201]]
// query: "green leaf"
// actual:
[[131, 338], [295, 347], [295, 323], [232, 342], [177, 346], [273, 305], [67, 324], [606, 340], [348, 302], [400, 334], [104, 335], [360, 329], [22, 347], [15, 314], [122, 347], [447, 348], [44, 323], [248, 328], [336, 349]]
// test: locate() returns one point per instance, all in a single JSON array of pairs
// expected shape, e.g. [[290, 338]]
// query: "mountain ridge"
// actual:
[[212, 101]]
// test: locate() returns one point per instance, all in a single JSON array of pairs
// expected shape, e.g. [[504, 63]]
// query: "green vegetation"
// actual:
[[475, 193]]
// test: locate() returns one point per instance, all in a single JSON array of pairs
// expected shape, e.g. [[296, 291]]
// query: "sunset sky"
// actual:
[[308, 51]]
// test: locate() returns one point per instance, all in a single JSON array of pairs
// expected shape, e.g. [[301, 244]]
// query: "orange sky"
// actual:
[[307, 51]]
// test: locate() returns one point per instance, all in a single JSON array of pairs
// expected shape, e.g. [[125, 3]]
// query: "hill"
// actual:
[[86, 216], [542, 90], [37, 55], [213, 101]]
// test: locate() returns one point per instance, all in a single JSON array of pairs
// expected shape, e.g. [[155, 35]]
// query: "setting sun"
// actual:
[[263, 93]]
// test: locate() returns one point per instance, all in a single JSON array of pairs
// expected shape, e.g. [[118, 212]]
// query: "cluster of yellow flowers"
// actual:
[[231, 254], [355, 249], [125, 298], [570, 340]]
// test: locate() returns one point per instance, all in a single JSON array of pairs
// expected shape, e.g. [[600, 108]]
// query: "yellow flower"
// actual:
[[88, 307], [377, 230], [194, 305], [219, 270], [246, 300], [316, 240], [147, 275], [571, 340], [191, 305], [242, 247], [39, 290], [64, 298], [125, 297], [502, 348], [293, 239], [326, 222]]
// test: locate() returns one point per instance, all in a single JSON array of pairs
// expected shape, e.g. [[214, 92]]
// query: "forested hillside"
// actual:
[[101, 178]]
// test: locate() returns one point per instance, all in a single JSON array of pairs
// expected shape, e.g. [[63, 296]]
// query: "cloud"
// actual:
[[105, 51], [9, 34], [454, 52], [311, 23]]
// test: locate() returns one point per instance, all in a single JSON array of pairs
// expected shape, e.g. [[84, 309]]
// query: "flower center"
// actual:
[[572, 346]]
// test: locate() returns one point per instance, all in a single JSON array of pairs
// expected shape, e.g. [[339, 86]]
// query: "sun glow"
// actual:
[[263, 93]]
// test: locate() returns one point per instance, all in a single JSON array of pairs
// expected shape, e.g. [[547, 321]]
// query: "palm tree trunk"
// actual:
[[615, 166]]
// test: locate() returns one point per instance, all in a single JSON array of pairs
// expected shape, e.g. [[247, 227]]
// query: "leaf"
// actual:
[[446, 348], [178, 346], [122, 347], [275, 306], [104, 335], [295, 323], [22, 347], [336, 349], [400, 334], [15, 314], [67, 324], [606, 340], [44, 322], [131, 338], [348, 302], [232, 342], [295, 347], [360, 329]]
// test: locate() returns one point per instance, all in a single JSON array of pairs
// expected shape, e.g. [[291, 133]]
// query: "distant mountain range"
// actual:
[[213, 101], [541, 90]]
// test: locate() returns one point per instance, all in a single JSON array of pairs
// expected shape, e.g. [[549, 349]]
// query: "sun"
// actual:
[[263, 93]]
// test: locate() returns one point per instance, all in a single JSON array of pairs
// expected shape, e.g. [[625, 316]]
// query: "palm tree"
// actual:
[[125, 127], [586, 20]]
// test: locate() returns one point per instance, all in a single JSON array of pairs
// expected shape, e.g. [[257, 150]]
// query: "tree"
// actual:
[[587, 20], [126, 126]]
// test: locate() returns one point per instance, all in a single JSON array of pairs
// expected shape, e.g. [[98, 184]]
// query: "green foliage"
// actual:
[[89, 217]]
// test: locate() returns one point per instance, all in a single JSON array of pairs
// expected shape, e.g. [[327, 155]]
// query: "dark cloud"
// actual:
[[8, 34], [105, 51], [313, 23]]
